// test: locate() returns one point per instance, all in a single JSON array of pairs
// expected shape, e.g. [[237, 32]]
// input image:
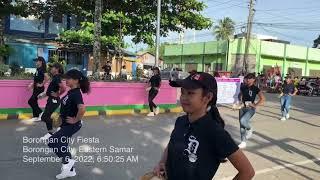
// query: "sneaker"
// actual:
[[242, 145], [287, 116], [46, 137], [157, 111], [35, 119], [151, 114], [66, 174], [249, 133], [40, 116], [283, 119]]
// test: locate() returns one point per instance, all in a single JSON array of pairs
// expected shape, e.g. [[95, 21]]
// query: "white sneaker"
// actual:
[[283, 119], [66, 174], [151, 114], [35, 119], [287, 116], [157, 111], [249, 133], [242, 145], [40, 116], [45, 137]]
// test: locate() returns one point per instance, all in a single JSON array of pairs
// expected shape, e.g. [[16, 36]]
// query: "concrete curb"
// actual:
[[25, 116]]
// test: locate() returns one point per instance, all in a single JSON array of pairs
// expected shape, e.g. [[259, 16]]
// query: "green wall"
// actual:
[[266, 53]]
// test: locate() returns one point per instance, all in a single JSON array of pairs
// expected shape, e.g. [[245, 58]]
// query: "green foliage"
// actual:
[[137, 19], [3, 69], [85, 36], [16, 69], [225, 29], [5, 50]]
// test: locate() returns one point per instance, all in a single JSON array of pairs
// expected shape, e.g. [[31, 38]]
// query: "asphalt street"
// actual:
[[131, 145]]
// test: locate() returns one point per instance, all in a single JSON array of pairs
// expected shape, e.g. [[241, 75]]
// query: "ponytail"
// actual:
[[84, 84], [213, 110], [216, 115]]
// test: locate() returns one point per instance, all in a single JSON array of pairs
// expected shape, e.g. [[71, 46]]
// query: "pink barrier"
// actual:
[[14, 94]]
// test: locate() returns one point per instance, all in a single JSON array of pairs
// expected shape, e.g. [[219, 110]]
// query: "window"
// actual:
[[218, 66], [57, 18], [314, 73], [295, 71], [191, 67]]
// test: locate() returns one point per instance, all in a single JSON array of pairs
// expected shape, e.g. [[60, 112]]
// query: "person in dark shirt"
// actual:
[[37, 87], [71, 112], [247, 96], [199, 143], [288, 90], [153, 88], [107, 70], [54, 90]]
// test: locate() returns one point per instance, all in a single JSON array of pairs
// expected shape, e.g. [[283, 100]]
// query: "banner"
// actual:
[[228, 90]]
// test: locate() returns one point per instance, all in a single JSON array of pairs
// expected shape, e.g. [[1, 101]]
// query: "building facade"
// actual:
[[31, 37], [229, 55]]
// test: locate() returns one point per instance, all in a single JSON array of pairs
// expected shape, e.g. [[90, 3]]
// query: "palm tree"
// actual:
[[225, 29]]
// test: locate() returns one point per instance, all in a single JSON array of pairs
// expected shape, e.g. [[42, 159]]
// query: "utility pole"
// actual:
[[248, 36], [158, 33]]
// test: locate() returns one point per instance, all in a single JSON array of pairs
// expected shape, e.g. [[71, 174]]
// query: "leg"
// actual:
[[59, 144], [287, 104], [245, 122], [33, 101], [51, 106], [282, 103], [152, 94]]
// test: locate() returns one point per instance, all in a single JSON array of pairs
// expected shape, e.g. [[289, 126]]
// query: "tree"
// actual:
[[97, 38], [316, 43], [225, 29], [7, 7]]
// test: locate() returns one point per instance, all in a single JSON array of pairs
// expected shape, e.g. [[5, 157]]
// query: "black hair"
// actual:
[[83, 80], [43, 63], [214, 112], [84, 84], [157, 69], [59, 67]]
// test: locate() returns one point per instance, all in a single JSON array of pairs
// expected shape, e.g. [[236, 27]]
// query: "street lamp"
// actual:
[[158, 32]]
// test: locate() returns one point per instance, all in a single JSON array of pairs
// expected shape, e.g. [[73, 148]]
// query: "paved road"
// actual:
[[278, 150]]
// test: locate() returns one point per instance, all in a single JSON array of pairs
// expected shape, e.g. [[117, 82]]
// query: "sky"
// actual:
[[297, 21]]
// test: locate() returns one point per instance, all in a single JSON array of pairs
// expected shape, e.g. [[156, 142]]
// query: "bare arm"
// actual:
[[243, 165], [262, 99], [295, 92], [159, 170]]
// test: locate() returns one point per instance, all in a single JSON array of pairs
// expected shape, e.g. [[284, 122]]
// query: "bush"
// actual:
[[5, 50], [3, 69], [16, 69]]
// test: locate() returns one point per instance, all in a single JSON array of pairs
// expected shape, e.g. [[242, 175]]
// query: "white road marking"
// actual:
[[276, 168]]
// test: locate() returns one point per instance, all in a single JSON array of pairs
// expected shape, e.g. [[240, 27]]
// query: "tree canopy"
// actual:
[[224, 29], [135, 18]]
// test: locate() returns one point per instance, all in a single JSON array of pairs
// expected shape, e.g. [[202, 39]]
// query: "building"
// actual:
[[31, 37], [147, 59], [229, 55]]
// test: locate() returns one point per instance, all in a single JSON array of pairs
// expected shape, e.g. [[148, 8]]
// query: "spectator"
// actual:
[[123, 73]]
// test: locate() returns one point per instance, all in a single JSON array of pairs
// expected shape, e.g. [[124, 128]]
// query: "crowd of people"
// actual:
[[198, 143]]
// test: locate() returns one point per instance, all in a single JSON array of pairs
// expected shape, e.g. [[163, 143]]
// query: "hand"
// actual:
[[71, 120], [39, 85], [253, 105], [30, 87], [54, 94], [291, 94], [159, 170]]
